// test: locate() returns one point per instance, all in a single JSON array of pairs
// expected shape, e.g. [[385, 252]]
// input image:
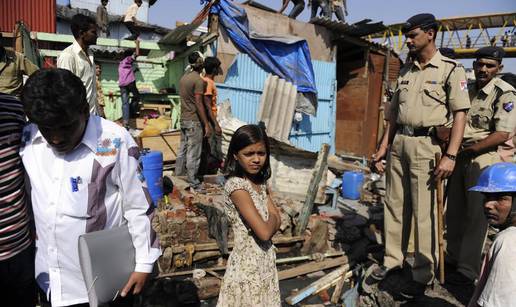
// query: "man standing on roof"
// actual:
[[78, 57], [13, 66], [340, 8], [130, 19], [194, 122], [496, 286], [299, 6], [316, 4], [430, 92], [490, 123], [102, 18]]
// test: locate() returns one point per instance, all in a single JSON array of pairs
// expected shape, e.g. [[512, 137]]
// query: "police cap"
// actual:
[[490, 52], [424, 21]]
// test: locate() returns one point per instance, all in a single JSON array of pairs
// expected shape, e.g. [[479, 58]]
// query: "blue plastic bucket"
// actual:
[[352, 184], [152, 164]]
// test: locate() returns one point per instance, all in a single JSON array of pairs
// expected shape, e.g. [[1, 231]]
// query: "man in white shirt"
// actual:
[[130, 19], [84, 176], [78, 59], [497, 284]]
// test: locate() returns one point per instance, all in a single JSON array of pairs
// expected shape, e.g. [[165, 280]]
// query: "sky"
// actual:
[[166, 12]]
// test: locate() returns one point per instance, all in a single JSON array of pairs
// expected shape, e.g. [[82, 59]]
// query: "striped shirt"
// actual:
[[14, 218]]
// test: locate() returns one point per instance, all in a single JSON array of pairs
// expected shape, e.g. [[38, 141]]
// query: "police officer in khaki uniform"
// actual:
[[431, 92], [491, 122]]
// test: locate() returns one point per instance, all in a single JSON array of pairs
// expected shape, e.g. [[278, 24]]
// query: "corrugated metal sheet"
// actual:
[[38, 15], [277, 106], [244, 86]]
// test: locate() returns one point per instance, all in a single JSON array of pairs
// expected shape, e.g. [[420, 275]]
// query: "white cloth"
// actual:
[[74, 59], [131, 12], [500, 269], [109, 191]]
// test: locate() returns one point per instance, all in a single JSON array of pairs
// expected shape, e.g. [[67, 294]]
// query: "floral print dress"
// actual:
[[251, 277]]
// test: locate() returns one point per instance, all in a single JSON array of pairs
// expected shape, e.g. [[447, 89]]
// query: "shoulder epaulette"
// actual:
[[504, 86]]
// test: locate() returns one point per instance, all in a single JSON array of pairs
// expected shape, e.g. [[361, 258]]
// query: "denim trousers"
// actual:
[[190, 149]]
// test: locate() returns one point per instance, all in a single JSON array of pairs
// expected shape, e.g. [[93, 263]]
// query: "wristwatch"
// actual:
[[450, 156]]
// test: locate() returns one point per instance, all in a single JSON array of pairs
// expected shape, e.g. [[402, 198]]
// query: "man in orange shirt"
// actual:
[[212, 152]]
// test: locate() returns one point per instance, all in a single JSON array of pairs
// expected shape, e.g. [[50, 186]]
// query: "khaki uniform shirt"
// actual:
[[492, 109], [422, 99], [13, 66], [81, 64]]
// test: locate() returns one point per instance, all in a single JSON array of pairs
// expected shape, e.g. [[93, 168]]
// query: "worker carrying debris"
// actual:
[[251, 277], [496, 285], [429, 90], [490, 123]]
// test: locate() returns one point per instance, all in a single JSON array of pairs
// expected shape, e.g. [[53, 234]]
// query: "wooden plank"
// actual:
[[335, 297], [167, 143], [312, 267], [313, 187], [318, 285]]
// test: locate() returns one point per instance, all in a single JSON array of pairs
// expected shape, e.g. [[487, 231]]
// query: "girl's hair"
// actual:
[[243, 137]]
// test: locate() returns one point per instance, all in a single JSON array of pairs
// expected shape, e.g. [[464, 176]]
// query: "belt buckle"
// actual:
[[408, 130]]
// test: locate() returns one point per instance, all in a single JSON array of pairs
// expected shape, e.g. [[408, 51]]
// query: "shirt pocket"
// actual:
[[433, 94], [79, 203], [481, 118], [403, 94]]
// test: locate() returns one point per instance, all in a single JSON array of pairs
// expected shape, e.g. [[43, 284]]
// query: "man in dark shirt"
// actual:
[[17, 287], [193, 120]]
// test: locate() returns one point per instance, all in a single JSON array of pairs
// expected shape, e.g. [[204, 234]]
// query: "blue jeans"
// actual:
[[190, 149], [129, 109]]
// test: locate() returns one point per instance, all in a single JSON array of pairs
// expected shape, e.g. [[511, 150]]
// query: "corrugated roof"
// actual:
[[358, 29], [178, 35], [66, 13], [38, 15], [277, 106]]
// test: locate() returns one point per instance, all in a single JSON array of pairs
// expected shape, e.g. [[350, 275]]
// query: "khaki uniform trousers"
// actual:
[[410, 194], [465, 220]]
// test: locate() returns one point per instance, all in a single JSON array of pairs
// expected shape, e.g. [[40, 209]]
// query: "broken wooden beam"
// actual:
[[312, 267], [323, 283], [198, 247], [313, 187], [335, 297]]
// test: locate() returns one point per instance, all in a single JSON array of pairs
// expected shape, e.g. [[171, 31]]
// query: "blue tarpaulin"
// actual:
[[285, 57]]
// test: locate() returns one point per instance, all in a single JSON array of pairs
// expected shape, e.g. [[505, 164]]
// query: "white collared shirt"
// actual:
[[96, 186], [131, 12], [81, 64]]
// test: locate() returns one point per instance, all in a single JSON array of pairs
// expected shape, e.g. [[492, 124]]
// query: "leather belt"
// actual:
[[414, 131]]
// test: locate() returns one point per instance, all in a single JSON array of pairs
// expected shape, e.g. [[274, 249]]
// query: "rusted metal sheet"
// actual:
[[359, 97], [38, 15]]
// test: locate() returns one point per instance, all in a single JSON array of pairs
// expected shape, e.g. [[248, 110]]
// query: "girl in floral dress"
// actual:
[[251, 277]]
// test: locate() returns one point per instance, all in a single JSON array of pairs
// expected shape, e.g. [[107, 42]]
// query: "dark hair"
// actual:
[[193, 57], [431, 26], [128, 52], [53, 94], [243, 137], [509, 78], [211, 65], [81, 23]]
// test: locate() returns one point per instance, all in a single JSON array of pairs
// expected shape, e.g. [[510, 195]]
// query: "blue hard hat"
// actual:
[[499, 177]]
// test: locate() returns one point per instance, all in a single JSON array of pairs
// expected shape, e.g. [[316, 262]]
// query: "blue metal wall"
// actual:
[[244, 86]]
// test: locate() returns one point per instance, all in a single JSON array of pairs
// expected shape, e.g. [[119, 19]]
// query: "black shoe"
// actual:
[[379, 273]]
